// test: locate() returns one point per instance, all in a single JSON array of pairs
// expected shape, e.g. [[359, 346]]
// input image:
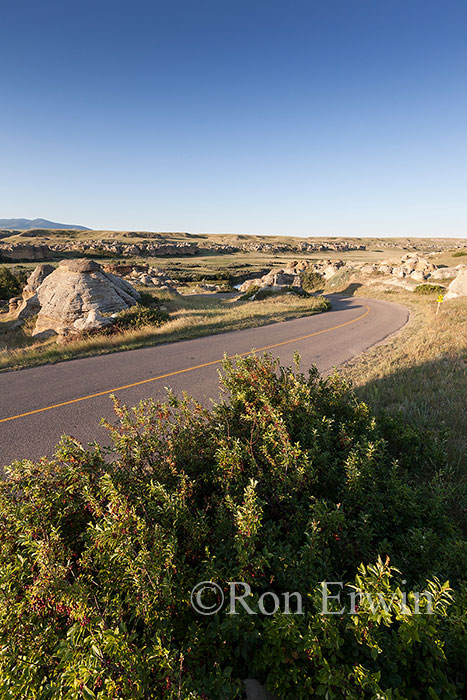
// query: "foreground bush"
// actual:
[[291, 482]]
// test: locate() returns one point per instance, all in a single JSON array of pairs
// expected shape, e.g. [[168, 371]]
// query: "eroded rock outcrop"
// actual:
[[458, 287], [78, 295], [21, 251], [35, 279], [152, 277], [142, 248], [27, 305], [444, 273], [278, 279], [13, 304]]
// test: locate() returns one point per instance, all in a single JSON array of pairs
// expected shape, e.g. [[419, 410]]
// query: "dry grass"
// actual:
[[450, 258], [191, 317], [420, 371]]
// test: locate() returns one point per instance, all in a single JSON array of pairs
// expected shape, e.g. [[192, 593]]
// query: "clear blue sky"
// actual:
[[337, 117]]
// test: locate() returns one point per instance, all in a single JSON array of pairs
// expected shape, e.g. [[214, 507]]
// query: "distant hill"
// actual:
[[26, 224]]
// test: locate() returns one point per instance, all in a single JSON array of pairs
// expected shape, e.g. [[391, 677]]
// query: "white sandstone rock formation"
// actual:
[[35, 279], [275, 280], [458, 286], [77, 294], [444, 273], [27, 305]]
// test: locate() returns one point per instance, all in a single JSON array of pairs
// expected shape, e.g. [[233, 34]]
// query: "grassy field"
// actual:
[[191, 317], [450, 258], [422, 370], [241, 263]]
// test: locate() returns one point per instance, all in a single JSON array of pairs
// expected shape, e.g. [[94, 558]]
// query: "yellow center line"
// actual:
[[181, 371]]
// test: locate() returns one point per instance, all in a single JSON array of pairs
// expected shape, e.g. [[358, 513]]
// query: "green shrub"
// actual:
[[311, 280], [290, 483], [11, 283], [260, 293], [298, 292], [429, 289], [342, 276], [147, 299], [250, 292], [218, 276], [139, 316], [264, 293], [459, 253]]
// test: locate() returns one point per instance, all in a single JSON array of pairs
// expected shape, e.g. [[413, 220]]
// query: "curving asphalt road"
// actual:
[[38, 405]]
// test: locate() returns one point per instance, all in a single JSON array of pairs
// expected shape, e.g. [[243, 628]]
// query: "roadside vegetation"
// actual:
[[255, 293], [293, 481], [177, 318], [421, 372]]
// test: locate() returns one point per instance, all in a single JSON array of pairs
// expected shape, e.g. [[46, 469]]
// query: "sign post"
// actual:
[[439, 300]]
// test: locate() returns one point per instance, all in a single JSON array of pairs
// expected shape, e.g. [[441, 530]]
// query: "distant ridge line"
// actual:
[[27, 224]]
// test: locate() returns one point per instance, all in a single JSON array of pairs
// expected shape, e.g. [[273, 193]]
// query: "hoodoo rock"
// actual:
[[35, 279], [458, 287], [28, 304], [79, 295]]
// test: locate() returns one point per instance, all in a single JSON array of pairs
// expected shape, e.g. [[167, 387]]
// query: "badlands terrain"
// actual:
[[68, 294], [383, 321]]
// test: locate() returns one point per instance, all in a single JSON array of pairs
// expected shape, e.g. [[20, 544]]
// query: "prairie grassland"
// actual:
[[191, 317], [422, 370]]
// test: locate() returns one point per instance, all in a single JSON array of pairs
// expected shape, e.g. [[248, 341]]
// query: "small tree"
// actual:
[[311, 280], [10, 284]]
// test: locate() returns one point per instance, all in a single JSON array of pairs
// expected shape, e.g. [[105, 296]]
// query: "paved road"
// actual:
[[82, 387]]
